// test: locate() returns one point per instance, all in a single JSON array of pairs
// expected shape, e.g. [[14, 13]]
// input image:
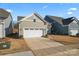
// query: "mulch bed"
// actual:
[[5, 40]]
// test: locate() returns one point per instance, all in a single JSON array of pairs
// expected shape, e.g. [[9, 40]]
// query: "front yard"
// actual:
[[17, 45], [41, 46], [64, 39]]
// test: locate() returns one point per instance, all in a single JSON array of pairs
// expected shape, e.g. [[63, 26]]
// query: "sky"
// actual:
[[64, 10]]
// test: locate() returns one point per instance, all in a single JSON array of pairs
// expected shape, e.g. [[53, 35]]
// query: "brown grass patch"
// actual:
[[64, 39], [17, 45]]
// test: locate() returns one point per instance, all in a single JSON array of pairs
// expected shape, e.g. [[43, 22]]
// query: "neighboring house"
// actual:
[[68, 26], [32, 26], [16, 25], [20, 18], [57, 25], [5, 23], [73, 28]]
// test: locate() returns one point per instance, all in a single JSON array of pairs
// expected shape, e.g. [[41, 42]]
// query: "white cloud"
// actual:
[[72, 9], [69, 13], [44, 7], [9, 10]]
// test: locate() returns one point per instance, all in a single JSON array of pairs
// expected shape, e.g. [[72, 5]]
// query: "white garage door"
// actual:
[[73, 32], [27, 33], [1, 31]]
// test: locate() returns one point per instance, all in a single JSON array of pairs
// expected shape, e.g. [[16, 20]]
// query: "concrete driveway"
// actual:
[[40, 43], [41, 46], [44, 46]]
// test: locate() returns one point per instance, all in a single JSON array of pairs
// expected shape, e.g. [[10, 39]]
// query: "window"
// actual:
[[31, 28], [34, 20], [26, 28], [41, 28]]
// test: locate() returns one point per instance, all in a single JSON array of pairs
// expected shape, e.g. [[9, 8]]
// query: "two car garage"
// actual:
[[33, 32]]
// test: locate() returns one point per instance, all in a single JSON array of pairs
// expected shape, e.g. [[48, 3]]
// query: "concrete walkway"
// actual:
[[25, 53]]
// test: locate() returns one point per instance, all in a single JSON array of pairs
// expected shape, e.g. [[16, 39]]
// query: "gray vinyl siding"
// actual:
[[7, 21], [8, 25], [2, 30], [73, 26], [29, 23], [9, 29]]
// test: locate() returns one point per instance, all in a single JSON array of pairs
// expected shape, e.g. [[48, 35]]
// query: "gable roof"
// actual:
[[76, 20], [55, 18], [3, 14], [37, 15], [20, 17], [61, 20], [67, 21]]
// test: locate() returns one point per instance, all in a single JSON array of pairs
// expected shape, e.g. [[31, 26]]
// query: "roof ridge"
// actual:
[[40, 17], [55, 16]]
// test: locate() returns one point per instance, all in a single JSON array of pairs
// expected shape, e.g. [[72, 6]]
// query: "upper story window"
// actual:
[[34, 20]]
